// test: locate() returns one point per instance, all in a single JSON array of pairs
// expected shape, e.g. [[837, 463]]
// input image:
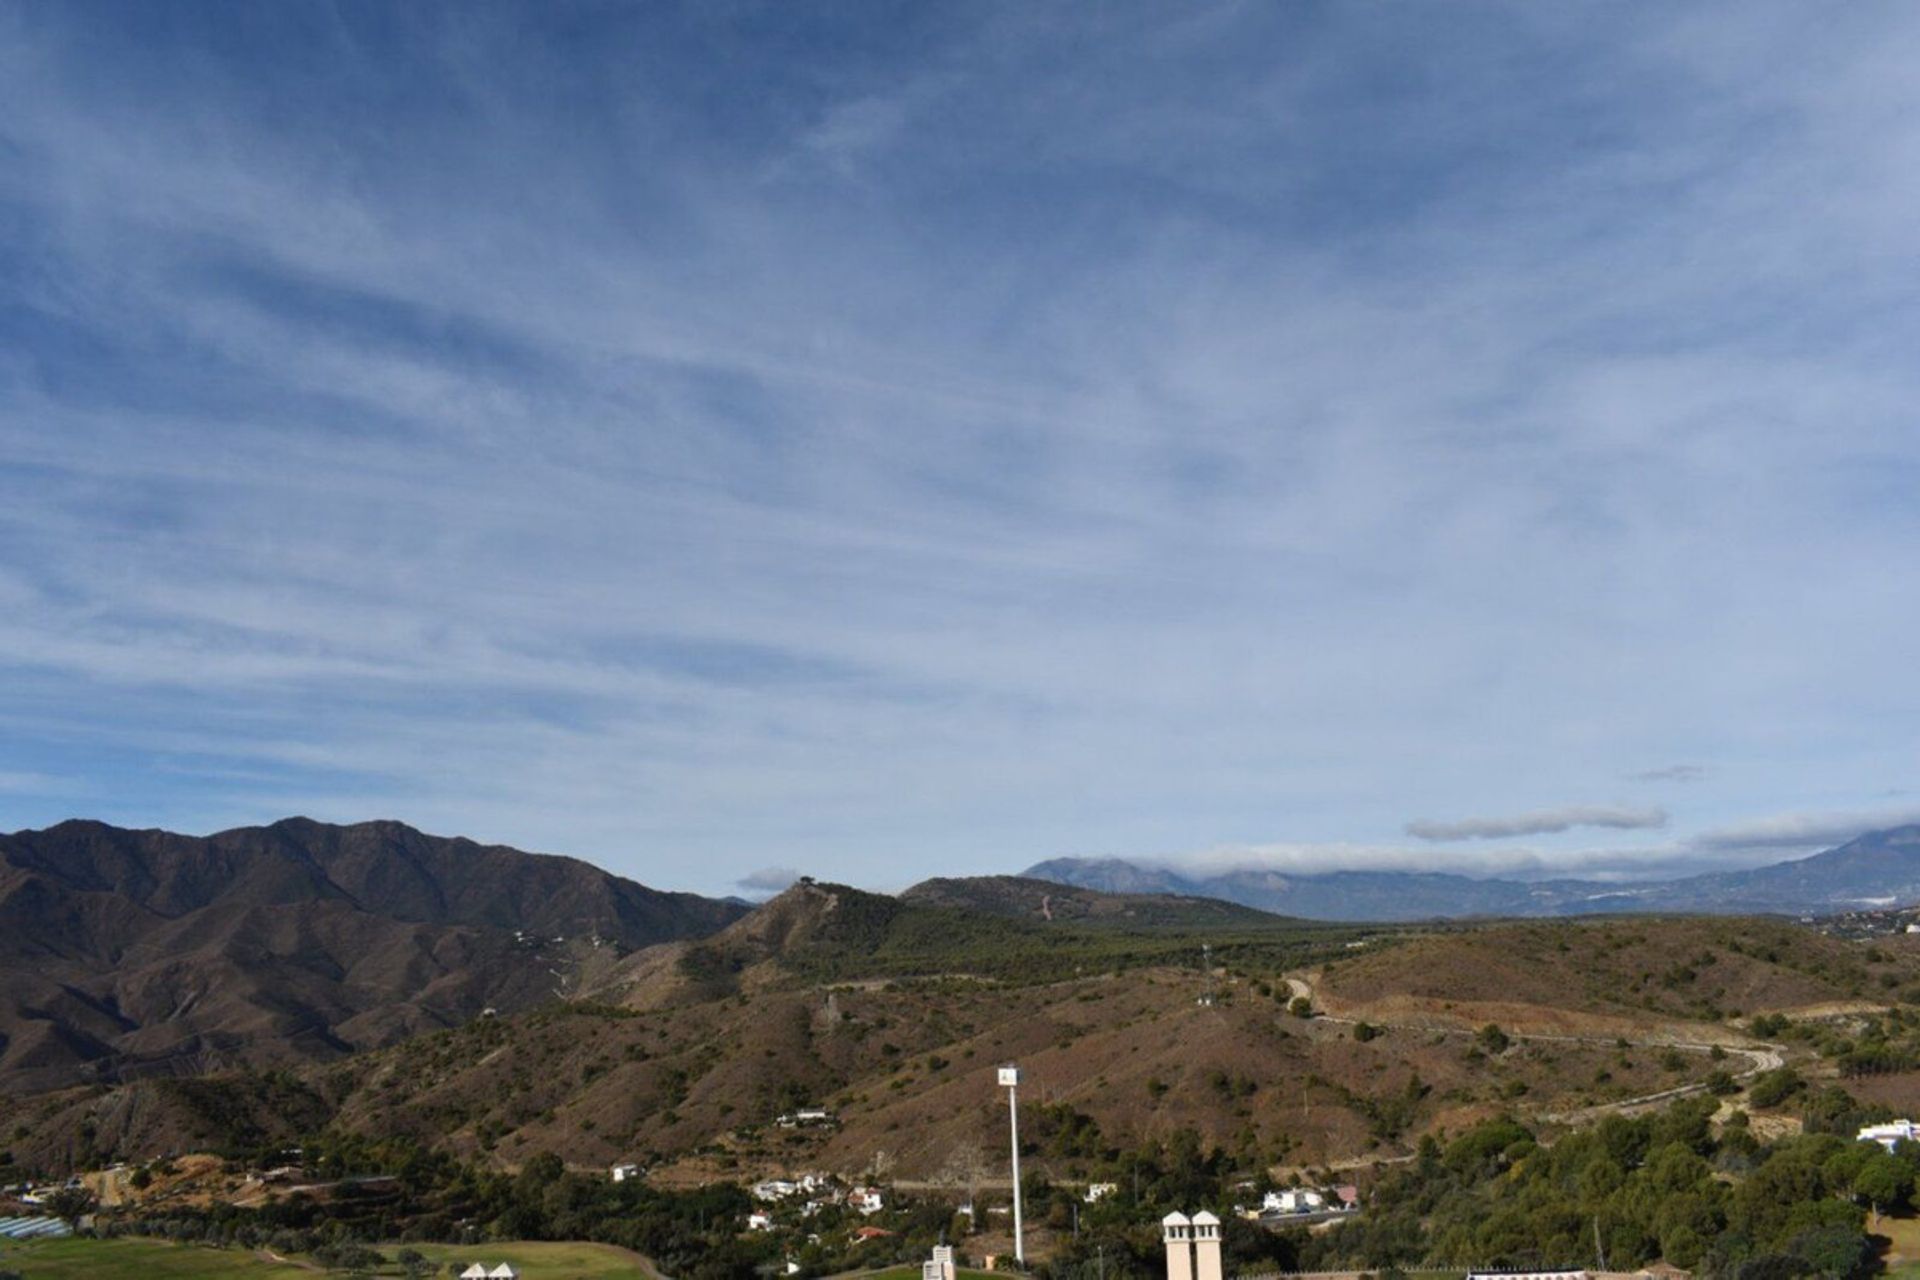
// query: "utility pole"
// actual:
[[1010, 1081]]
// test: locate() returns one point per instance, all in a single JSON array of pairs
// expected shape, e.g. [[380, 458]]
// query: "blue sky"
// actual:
[[894, 440]]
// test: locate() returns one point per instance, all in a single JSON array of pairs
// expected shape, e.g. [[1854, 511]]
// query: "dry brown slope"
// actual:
[[1563, 973], [129, 953]]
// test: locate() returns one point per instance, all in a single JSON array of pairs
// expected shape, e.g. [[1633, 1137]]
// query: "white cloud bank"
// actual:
[[1790, 832]]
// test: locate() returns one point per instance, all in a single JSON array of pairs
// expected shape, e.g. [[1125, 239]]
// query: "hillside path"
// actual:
[[1760, 1057]]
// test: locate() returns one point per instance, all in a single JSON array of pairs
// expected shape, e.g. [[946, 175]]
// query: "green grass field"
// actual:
[[137, 1260], [151, 1260], [557, 1261]]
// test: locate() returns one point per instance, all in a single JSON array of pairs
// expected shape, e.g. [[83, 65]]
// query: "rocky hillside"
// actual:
[[893, 1015], [129, 953]]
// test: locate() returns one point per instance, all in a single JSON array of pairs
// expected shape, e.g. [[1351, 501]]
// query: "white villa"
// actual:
[[1293, 1200], [1098, 1191], [1891, 1134]]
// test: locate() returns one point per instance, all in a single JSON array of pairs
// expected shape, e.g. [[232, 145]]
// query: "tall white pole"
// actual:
[[1010, 1078], [1013, 1113]]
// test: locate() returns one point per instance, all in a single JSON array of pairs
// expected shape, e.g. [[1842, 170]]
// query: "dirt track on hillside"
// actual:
[[1524, 1022]]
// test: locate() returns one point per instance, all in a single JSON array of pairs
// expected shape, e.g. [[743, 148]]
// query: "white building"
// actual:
[[621, 1172], [805, 1116], [1293, 1200], [759, 1220], [1892, 1133], [867, 1199], [1098, 1191], [774, 1189]]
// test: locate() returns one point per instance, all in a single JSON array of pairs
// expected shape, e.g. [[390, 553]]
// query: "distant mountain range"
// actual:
[[127, 953], [1881, 868]]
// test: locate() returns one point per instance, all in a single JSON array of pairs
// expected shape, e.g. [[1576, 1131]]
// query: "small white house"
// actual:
[[1098, 1191], [804, 1116], [503, 1272], [621, 1172], [1293, 1200], [774, 1189], [759, 1220], [867, 1199], [1892, 1133], [478, 1271]]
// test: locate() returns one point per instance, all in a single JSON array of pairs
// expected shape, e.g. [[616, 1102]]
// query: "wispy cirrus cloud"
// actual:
[[1004, 431], [1538, 822], [1671, 773]]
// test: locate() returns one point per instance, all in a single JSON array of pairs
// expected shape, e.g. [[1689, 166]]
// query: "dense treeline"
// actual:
[[1624, 1192], [1627, 1192], [1872, 1044]]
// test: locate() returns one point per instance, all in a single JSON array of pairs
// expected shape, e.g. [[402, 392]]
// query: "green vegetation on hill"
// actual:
[[1616, 1195], [1865, 1045], [830, 933], [1631, 1191]]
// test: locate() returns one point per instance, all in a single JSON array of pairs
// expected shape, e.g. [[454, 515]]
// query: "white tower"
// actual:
[[1179, 1236], [1010, 1081], [1206, 1247]]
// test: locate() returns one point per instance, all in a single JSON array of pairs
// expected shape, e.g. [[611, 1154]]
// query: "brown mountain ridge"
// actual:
[[135, 953]]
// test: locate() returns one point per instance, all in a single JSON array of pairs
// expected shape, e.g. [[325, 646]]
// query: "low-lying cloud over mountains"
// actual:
[[1875, 869]]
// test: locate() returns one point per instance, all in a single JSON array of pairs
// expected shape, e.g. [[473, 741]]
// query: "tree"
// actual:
[[1775, 1087], [1884, 1181], [1300, 1007], [1492, 1038], [70, 1204], [414, 1263]]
